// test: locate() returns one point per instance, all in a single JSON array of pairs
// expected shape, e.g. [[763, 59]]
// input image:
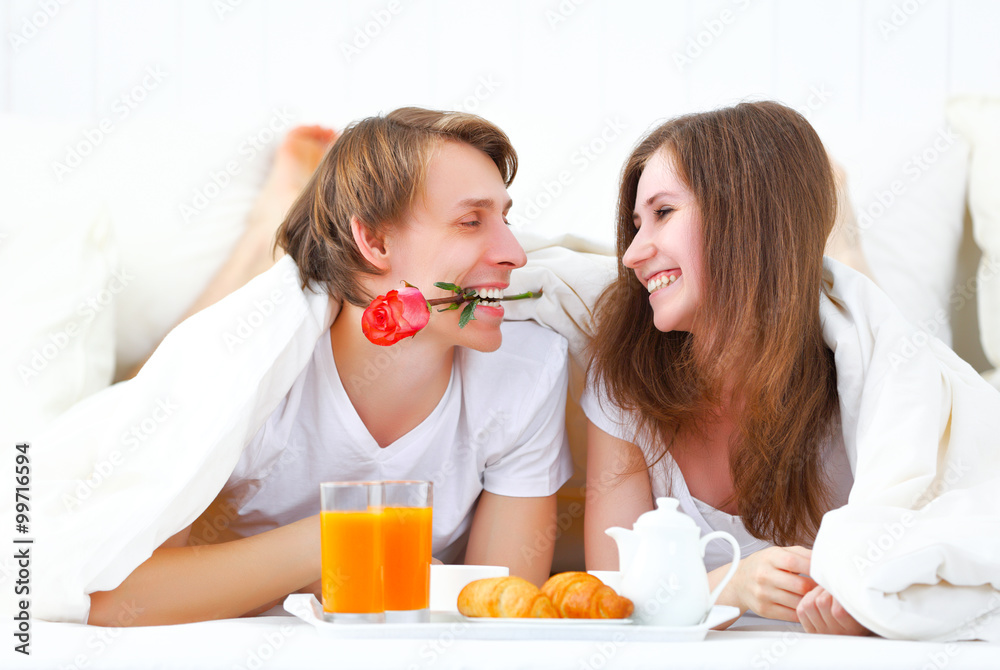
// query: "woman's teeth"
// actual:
[[660, 282], [489, 293]]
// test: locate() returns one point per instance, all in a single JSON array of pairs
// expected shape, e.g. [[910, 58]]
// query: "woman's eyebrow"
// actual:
[[668, 194]]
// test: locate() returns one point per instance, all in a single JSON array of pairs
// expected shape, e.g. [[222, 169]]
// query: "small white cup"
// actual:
[[612, 578], [447, 581]]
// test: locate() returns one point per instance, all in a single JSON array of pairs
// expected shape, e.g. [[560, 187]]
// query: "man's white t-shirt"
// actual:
[[666, 478], [499, 427]]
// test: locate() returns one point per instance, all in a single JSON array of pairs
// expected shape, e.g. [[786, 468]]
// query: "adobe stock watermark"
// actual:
[[562, 12], [899, 16], [365, 34], [893, 532], [909, 347], [224, 8], [133, 438], [494, 423], [271, 642], [776, 650], [484, 90], [545, 540], [87, 310], [915, 167], [816, 99], [711, 30], [218, 180], [939, 659], [433, 650], [104, 637], [121, 109], [584, 156], [603, 653], [32, 24]]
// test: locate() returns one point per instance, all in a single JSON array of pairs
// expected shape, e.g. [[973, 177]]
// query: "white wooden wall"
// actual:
[[556, 74]]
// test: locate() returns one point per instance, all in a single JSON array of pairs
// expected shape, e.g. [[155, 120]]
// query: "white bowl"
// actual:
[[447, 581]]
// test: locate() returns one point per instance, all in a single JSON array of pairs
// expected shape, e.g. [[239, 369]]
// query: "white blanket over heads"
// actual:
[[127, 468], [915, 554]]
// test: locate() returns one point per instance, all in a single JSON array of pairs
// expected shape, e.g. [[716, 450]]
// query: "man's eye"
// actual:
[[471, 224]]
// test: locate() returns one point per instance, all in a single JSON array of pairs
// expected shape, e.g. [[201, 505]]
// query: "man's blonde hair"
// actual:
[[374, 171]]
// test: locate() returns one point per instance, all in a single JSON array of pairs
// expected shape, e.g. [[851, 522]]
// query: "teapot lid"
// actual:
[[666, 515]]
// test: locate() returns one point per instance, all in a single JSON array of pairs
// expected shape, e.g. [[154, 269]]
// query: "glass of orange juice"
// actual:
[[351, 519], [406, 546]]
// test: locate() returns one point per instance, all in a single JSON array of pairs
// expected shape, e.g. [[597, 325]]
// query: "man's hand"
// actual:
[[819, 612]]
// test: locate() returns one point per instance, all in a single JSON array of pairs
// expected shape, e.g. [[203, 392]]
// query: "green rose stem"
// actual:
[[468, 295], [458, 299]]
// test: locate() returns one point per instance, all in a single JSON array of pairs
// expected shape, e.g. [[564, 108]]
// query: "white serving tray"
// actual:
[[306, 607]]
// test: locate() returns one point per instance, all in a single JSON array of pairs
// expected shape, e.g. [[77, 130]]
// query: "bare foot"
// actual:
[[294, 163], [298, 156]]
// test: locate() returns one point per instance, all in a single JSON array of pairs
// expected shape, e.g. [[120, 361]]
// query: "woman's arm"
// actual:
[[618, 491], [181, 584], [517, 532]]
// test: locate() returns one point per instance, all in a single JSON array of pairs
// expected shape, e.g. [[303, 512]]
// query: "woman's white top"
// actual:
[[666, 479]]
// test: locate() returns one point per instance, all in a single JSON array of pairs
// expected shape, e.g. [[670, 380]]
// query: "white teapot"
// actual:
[[663, 568]]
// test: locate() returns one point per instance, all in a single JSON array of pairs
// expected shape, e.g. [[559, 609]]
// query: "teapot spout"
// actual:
[[628, 545]]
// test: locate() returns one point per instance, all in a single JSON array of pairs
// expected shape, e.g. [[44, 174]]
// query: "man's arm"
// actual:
[[181, 584], [516, 532]]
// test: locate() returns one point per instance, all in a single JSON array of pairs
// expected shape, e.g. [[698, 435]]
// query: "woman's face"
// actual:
[[457, 232], [666, 251]]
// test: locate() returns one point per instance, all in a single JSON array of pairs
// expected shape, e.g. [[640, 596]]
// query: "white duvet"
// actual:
[[130, 466]]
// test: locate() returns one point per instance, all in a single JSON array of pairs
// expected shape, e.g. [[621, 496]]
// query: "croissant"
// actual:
[[578, 595], [504, 597]]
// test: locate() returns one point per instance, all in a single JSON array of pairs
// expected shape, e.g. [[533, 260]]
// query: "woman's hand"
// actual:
[[819, 612], [770, 582]]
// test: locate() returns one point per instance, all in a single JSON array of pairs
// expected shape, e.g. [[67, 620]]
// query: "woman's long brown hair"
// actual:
[[767, 201]]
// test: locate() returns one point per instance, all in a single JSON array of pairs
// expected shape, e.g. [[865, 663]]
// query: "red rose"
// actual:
[[395, 315]]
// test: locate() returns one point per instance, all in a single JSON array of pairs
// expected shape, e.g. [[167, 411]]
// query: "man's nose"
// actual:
[[505, 249]]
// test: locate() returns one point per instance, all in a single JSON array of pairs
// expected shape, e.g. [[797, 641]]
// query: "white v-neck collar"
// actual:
[[345, 409]]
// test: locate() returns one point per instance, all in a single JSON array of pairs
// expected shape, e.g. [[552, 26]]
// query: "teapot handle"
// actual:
[[721, 535]]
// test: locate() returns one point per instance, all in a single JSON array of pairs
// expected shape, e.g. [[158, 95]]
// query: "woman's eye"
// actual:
[[662, 212]]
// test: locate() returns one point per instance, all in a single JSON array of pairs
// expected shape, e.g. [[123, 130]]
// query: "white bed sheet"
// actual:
[[274, 643]]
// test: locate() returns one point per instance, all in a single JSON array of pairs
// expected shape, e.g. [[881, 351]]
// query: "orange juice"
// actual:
[[406, 534], [352, 561]]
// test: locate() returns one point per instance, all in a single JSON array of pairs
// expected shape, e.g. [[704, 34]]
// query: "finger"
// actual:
[[793, 583], [790, 561], [807, 613], [801, 551], [773, 610], [846, 621], [824, 606]]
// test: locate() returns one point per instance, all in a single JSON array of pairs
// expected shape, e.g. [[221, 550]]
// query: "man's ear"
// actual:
[[372, 246]]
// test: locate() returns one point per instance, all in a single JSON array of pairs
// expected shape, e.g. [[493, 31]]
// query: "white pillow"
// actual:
[[179, 195], [907, 181], [978, 119], [56, 283]]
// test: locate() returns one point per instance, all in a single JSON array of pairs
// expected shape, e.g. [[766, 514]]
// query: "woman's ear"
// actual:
[[372, 246]]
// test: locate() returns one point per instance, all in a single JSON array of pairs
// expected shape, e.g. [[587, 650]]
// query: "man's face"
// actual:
[[457, 232]]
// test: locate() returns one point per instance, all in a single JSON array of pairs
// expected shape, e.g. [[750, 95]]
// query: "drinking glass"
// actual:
[[351, 518], [406, 546]]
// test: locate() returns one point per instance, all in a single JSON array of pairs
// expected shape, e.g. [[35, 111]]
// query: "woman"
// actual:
[[416, 196], [714, 376]]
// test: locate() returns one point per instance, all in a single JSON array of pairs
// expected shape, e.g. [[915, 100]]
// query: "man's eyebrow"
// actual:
[[482, 203]]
